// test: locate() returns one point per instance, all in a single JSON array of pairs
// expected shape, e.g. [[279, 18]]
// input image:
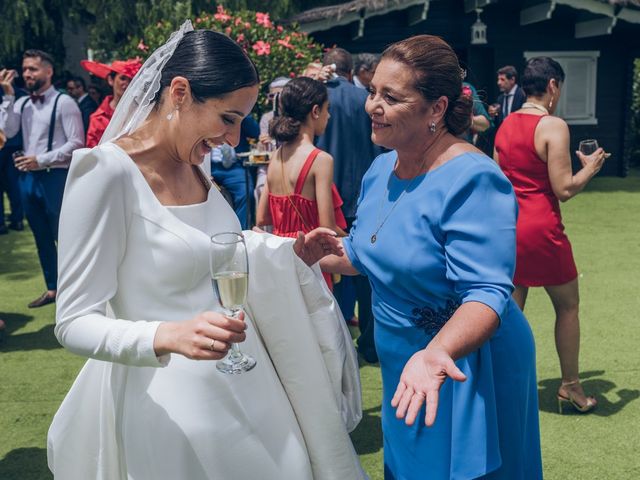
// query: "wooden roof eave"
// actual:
[[358, 15]]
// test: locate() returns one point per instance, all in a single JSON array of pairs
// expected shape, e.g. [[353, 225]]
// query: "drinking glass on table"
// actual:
[[229, 268]]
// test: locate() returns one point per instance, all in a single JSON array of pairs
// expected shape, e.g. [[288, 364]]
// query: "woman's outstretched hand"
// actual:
[[317, 244], [421, 379], [207, 336]]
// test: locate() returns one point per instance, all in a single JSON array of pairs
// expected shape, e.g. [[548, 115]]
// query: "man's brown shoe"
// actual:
[[45, 299]]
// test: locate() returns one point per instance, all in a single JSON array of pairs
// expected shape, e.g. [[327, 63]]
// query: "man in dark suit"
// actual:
[[512, 96], [348, 140], [77, 88]]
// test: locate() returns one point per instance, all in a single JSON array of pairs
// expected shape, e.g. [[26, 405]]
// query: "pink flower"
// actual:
[[222, 15], [227, 30], [279, 28], [247, 25], [263, 19], [238, 21], [142, 46], [467, 91], [262, 48], [198, 20], [299, 55], [292, 74], [240, 38], [285, 43]]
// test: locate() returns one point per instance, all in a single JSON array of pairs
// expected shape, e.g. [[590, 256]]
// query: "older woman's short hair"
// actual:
[[538, 72]]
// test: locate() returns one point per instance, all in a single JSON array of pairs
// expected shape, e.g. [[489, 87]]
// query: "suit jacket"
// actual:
[[348, 140], [87, 107], [519, 97]]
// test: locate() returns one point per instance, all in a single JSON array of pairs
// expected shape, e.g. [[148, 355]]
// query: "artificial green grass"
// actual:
[[603, 224]]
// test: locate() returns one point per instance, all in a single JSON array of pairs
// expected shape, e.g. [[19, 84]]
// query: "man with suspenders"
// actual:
[[52, 129]]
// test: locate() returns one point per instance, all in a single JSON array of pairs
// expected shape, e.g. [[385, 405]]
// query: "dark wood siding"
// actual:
[[507, 43]]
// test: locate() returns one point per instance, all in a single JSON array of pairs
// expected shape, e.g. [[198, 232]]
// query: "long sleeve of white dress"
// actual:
[[92, 242]]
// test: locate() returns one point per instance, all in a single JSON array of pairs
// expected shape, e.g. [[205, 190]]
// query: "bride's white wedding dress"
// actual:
[[132, 415]]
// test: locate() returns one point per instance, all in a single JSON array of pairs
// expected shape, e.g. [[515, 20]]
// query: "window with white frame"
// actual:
[[578, 99]]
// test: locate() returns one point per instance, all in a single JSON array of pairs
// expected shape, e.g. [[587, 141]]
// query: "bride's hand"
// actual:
[[317, 244], [421, 379], [207, 336]]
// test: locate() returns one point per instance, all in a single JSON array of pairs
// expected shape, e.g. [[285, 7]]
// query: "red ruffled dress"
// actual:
[[544, 255], [294, 213]]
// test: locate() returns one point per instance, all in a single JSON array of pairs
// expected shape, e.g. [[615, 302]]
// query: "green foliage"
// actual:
[[40, 23], [276, 50], [28, 24]]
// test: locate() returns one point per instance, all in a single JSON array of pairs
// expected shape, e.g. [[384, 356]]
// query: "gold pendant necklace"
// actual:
[[374, 237], [536, 106]]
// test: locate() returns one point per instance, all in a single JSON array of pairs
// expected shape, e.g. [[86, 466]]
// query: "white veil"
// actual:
[[137, 101]]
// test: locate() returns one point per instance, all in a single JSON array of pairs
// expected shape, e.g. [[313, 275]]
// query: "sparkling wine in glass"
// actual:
[[229, 267], [587, 147]]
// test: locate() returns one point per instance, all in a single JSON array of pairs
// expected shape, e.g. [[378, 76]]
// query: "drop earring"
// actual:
[[432, 127], [550, 103], [170, 115]]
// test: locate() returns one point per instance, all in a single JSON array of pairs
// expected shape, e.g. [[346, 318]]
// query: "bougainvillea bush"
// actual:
[[277, 50]]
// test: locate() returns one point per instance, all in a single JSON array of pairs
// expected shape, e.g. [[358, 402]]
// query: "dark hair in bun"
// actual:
[[296, 102]]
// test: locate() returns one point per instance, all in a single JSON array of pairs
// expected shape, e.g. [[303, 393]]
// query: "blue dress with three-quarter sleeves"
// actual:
[[442, 239]]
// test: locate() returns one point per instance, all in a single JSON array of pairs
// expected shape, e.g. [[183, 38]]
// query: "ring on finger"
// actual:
[[212, 347]]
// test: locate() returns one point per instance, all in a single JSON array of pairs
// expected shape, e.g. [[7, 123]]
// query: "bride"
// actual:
[[137, 216]]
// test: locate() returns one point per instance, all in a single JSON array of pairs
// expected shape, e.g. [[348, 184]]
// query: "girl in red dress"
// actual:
[[532, 148], [299, 194]]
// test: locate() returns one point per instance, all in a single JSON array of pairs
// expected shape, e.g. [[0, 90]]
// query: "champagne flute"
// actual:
[[229, 268], [587, 147]]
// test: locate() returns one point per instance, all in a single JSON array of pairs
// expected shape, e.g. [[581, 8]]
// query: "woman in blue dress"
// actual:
[[435, 234]]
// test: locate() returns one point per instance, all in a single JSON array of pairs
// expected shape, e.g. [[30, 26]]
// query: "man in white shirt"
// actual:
[[52, 129], [512, 96]]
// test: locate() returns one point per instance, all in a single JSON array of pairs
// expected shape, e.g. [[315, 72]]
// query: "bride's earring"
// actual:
[[170, 115], [550, 103], [432, 127]]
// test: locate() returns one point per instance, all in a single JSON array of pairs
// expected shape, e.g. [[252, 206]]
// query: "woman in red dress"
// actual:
[[532, 148], [119, 74], [299, 194]]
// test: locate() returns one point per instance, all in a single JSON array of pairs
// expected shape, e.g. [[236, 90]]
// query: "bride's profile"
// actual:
[[135, 228]]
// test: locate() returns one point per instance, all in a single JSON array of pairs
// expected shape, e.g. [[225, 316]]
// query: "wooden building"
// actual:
[[596, 42]]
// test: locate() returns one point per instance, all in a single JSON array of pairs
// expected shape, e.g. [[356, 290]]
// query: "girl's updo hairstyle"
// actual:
[[213, 64], [437, 72], [538, 72], [296, 102]]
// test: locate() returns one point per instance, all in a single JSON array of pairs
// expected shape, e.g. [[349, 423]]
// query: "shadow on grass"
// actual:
[[547, 394], [25, 464], [631, 183], [367, 437], [21, 259], [43, 339]]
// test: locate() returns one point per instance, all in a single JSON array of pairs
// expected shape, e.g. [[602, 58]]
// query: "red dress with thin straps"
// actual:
[[294, 213], [544, 255]]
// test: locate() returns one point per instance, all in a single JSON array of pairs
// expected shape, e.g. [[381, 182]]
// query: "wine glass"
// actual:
[[587, 147], [229, 268]]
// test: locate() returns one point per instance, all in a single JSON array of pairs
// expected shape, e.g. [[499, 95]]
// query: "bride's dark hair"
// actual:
[[212, 63]]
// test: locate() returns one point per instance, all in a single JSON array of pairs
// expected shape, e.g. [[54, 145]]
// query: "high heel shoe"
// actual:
[[569, 398]]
